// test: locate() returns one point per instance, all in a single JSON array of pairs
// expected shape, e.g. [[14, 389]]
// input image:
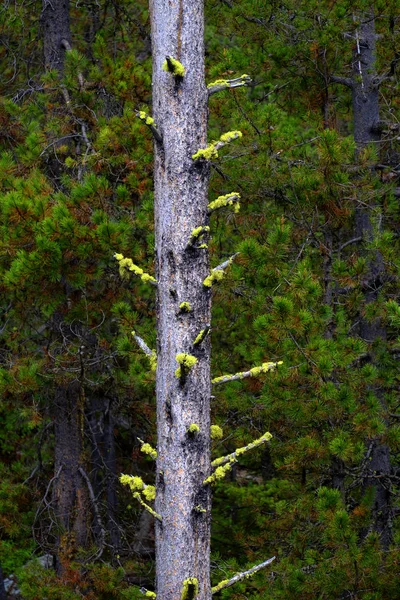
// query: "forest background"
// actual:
[[316, 285]]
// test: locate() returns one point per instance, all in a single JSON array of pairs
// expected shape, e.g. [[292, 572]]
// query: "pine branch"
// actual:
[[254, 372], [239, 576]]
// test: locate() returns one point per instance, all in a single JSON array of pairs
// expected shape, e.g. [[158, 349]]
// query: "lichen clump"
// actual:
[[227, 200], [143, 116], [190, 588], [199, 231], [185, 307], [216, 432], [219, 473], [206, 153], [151, 595], [149, 493], [193, 428], [134, 483], [171, 65], [213, 278], [186, 362], [211, 151], [149, 450], [126, 265]]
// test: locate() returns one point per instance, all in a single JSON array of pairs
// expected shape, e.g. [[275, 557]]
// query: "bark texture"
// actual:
[[55, 23], [365, 97], [180, 113]]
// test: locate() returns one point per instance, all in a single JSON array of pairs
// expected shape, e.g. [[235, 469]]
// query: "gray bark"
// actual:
[[180, 113], [365, 97], [55, 22]]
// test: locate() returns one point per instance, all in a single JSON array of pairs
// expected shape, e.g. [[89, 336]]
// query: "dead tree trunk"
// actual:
[[55, 22], [70, 496], [183, 386], [365, 99]]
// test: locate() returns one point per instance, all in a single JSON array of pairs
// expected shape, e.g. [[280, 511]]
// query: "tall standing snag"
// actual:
[[183, 388]]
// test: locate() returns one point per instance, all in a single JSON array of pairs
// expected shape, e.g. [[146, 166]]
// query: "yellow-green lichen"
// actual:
[[138, 497], [227, 200], [200, 509], [219, 82], [186, 362], [213, 278], [202, 247], [200, 337], [212, 149], [219, 473], [126, 265], [151, 595], [145, 117], [193, 428], [229, 136], [199, 231], [171, 65], [153, 360], [190, 588], [254, 372], [231, 458], [206, 153], [149, 450], [185, 307], [216, 432], [149, 493], [134, 483], [220, 586]]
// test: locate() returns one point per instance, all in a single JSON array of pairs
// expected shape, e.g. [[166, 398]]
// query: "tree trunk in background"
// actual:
[[55, 24], [70, 494], [180, 113], [3, 595], [365, 98]]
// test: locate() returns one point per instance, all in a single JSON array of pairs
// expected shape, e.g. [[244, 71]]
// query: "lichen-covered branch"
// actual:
[[239, 451], [224, 84], [219, 472], [149, 121], [254, 372], [202, 335], [137, 486], [148, 449], [151, 354], [239, 576], [126, 266], [231, 199], [211, 151], [218, 273]]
